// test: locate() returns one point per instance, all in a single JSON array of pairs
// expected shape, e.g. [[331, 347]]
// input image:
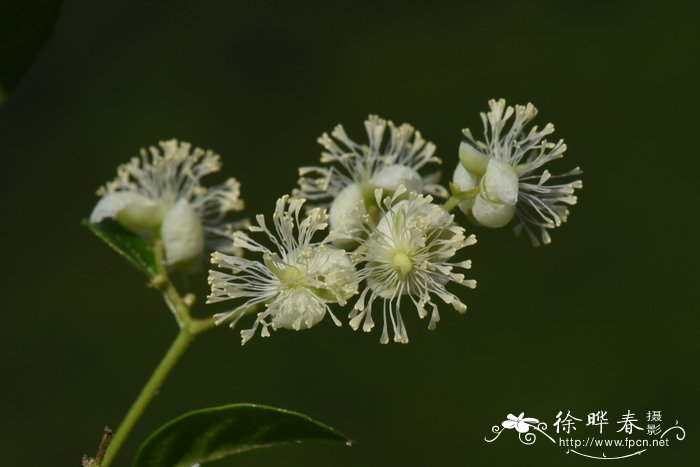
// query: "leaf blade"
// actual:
[[214, 433], [127, 244]]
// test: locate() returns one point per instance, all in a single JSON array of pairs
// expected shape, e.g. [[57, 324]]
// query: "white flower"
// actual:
[[503, 174], [160, 195], [521, 423], [407, 255], [296, 283], [355, 170]]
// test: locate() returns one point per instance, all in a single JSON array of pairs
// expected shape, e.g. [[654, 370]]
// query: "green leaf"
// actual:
[[218, 432], [127, 244], [24, 28]]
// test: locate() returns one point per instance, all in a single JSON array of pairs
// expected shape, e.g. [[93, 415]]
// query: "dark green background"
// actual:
[[604, 318]]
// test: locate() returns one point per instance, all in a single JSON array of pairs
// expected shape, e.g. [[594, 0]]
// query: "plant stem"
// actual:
[[451, 203], [459, 196], [189, 329], [178, 347], [170, 294]]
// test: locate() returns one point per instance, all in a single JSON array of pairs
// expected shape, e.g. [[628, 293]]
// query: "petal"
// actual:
[[389, 178], [182, 234], [297, 309], [509, 424], [345, 213], [465, 181], [463, 178], [490, 214], [472, 159], [522, 427], [501, 182], [133, 210], [335, 273]]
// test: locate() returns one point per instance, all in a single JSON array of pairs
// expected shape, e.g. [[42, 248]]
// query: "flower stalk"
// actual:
[[457, 197], [176, 350], [189, 329]]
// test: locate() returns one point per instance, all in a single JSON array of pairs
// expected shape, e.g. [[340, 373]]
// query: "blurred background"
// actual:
[[605, 318]]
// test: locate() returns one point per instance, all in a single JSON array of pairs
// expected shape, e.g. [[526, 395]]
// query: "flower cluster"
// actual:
[[406, 254], [160, 195], [399, 245], [362, 229]]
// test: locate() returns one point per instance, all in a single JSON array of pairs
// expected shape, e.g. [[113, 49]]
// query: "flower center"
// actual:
[[402, 263], [289, 274], [285, 273]]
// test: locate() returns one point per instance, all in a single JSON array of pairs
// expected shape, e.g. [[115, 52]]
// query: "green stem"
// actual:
[[178, 347], [172, 297], [189, 329], [451, 203], [459, 196], [198, 326], [179, 308]]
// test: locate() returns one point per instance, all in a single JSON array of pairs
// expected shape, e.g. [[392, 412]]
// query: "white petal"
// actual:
[[522, 427], [465, 181], [182, 234], [472, 159], [490, 214], [298, 309], [346, 209], [389, 178], [337, 272], [501, 182], [134, 211]]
